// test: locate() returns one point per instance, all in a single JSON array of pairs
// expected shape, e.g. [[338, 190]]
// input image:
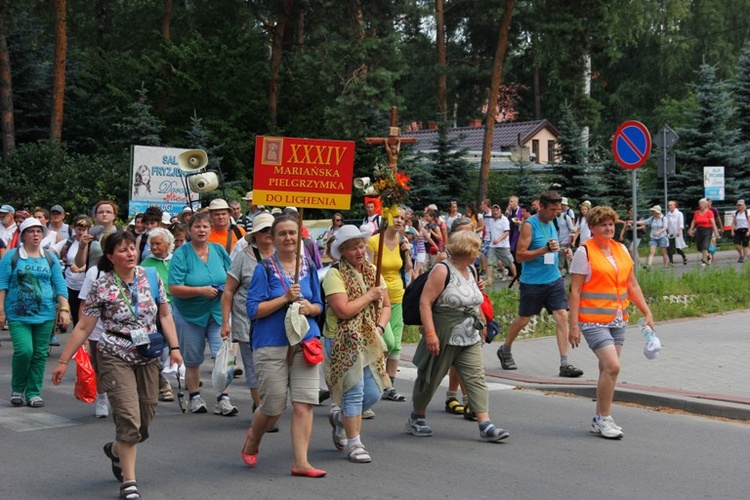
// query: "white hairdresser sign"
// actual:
[[713, 183], [155, 179]]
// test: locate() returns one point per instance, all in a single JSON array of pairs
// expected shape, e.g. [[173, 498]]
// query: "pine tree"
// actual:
[[439, 176], [523, 182], [140, 126], [570, 170], [198, 138], [741, 93], [707, 140]]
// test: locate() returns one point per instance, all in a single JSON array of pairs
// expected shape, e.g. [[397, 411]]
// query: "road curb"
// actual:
[[697, 405]]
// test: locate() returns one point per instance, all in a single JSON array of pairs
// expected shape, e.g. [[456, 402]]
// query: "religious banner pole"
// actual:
[[392, 186], [299, 246]]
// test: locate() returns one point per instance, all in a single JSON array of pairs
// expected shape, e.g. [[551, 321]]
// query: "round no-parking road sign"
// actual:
[[631, 145]]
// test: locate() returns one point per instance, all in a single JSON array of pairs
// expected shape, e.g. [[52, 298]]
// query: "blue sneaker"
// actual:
[[418, 427], [53, 341]]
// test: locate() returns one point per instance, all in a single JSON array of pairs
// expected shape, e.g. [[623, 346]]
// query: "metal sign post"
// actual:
[[665, 139], [631, 147]]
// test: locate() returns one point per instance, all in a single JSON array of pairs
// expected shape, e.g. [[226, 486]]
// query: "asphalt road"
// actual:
[[56, 452]]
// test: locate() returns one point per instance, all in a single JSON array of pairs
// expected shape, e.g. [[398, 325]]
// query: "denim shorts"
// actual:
[[661, 242], [192, 339], [602, 336], [551, 296]]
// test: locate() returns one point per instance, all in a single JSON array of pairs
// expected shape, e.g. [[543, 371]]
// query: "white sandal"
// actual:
[[359, 455]]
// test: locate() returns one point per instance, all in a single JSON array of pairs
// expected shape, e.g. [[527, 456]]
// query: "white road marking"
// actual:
[[31, 419]]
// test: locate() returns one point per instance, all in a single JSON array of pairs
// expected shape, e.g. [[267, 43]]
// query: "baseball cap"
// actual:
[[57, 208], [7, 209]]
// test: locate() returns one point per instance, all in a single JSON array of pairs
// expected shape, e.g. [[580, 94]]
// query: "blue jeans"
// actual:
[[360, 397]]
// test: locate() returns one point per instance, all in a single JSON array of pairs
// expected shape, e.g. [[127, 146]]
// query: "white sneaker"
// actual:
[[225, 408], [606, 427], [368, 414], [197, 405], [102, 406]]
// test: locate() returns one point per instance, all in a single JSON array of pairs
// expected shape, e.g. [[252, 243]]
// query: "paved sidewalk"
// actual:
[[703, 366]]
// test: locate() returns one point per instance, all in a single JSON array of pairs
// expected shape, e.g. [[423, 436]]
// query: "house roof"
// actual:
[[472, 138]]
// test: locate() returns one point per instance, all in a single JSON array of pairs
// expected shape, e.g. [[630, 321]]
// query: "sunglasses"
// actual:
[[338, 220]]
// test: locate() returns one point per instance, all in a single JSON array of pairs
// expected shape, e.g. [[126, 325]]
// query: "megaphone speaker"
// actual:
[[370, 191], [192, 160], [204, 182], [361, 182]]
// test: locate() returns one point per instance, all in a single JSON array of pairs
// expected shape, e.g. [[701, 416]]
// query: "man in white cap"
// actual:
[[246, 221], [8, 225], [223, 231]]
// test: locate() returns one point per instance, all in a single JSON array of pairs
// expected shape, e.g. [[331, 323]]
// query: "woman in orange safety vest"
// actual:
[[602, 287]]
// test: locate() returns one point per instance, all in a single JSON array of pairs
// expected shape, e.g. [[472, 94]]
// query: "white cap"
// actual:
[[31, 222]]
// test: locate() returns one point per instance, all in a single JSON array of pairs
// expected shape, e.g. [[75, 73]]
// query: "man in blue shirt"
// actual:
[[541, 282]]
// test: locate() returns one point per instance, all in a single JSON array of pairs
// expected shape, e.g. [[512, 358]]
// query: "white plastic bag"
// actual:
[[223, 373]]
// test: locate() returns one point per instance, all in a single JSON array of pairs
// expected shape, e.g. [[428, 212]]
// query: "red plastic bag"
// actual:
[[85, 388], [487, 309]]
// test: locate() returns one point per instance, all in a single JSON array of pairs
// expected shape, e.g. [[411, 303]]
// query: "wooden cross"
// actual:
[[392, 145], [393, 142]]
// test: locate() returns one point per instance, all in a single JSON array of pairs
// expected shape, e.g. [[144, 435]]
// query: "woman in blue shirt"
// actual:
[[196, 277], [282, 369], [30, 283]]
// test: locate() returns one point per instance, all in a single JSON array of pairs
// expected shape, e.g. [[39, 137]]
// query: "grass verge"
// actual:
[[699, 292]]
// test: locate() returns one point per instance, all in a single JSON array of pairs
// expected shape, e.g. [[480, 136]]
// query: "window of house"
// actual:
[[550, 151], [535, 150]]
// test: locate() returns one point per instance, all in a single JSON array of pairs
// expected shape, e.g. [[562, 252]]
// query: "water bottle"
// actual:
[[652, 347]]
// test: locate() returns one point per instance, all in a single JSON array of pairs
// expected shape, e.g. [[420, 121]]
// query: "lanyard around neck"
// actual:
[[133, 289], [281, 273]]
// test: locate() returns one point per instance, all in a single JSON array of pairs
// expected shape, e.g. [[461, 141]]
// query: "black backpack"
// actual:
[[412, 294]]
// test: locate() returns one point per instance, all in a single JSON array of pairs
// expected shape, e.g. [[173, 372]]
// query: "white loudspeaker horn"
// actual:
[[370, 191], [192, 160], [205, 182], [361, 182]]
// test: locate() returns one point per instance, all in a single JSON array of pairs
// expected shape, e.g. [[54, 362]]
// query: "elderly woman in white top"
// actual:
[[740, 230], [675, 227]]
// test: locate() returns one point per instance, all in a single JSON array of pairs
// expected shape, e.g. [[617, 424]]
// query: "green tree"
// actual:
[[571, 170], [140, 126], [741, 93], [707, 140]]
